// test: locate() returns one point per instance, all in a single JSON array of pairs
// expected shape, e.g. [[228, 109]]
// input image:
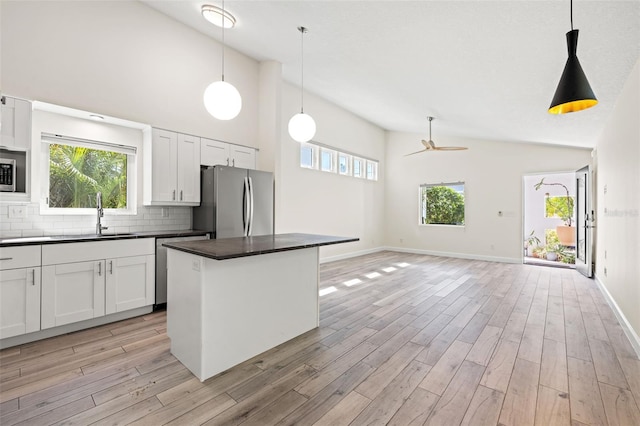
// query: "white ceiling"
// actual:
[[484, 69]]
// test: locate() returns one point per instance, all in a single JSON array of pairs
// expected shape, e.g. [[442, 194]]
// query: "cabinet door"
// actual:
[[164, 174], [214, 153], [72, 292], [242, 157], [188, 169], [15, 116], [19, 301], [130, 283]]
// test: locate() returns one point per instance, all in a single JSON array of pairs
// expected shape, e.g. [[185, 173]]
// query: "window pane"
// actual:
[[306, 156], [327, 160], [442, 204], [357, 167], [344, 163], [76, 174], [372, 170]]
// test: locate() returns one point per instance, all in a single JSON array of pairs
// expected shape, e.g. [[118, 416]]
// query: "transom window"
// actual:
[[321, 157]]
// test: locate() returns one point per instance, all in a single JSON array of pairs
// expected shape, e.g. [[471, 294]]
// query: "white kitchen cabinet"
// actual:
[[19, 290], [15, 116], [213, 153], [130, 283], [72, 292], [86, 280], [172, 169]]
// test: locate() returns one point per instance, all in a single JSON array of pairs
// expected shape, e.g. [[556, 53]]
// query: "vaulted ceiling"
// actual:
[[484, 69]]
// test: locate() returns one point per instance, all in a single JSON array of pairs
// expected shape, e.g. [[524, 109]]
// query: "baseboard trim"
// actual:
[[455, 255], [622, 319], [350, 255]]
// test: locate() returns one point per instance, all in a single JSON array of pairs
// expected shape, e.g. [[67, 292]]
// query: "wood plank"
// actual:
[[416, 409], [498, 372], [531, 344], [553, 370], [443, 371], [485, 345], [387, 371], [344, 411], [38, 385], [594, 327], [575, 335], [452, 405], [619, 405], [472, 330], [553, 408], [59, 414], [132, 413], [438, 346], [586, 402], [385, 405], [514, 328], [519, 408], [204, 412], [631, 369], [484, 408], [608, 369]]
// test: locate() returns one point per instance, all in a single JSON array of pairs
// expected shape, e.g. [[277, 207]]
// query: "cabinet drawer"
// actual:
[[53, 254], [20, 257]]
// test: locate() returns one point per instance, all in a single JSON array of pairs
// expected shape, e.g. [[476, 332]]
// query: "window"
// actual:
[[78, 169], [344, 164], [308, 155], [442, 204], [372, 170], [327, 160], [358, 167]]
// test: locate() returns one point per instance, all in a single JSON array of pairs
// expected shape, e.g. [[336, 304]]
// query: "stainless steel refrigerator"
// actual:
[[235, 202]]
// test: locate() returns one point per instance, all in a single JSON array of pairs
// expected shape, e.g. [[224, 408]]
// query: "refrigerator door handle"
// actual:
[[245, 208], [250, 206]]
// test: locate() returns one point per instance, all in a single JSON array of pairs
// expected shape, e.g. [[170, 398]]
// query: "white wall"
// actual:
[[122, 59], [492, 172], [317, 202], [618, 208]]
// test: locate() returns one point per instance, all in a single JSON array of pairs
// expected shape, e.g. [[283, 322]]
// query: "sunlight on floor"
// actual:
[[403, 264], [352, 282], [328, 290], [390, 269], [372, 275]]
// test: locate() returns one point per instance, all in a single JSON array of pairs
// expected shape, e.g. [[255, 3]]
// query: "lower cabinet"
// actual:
[[120, 277], [19, 301]]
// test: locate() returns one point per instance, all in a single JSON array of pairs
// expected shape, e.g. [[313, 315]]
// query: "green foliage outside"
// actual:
[[444, 206], [76, 174], [561, 207]]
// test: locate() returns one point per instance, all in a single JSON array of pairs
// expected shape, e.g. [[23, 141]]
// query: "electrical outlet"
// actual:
[[165, 212], [18, 212]]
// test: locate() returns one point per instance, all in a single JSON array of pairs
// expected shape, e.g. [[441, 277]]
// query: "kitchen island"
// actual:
[[231, 299]]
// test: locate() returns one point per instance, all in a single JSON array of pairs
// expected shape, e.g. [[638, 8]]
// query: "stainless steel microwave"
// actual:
[[7, 175]]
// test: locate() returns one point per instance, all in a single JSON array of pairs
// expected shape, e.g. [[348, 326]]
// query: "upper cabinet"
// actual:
[[172, 169], [213, 153], [15, 119]]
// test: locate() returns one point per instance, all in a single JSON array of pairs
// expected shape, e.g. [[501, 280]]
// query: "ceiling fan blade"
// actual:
[[450, 148], [417, 152], [432, 145], [426, 144]]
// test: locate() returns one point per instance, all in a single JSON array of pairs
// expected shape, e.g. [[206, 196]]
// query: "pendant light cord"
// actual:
[[302, 31], [571, 13], [223, 23]]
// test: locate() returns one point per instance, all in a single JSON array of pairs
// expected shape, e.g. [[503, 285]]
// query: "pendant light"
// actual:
[[302, 127], [574, 92], [221, 99]]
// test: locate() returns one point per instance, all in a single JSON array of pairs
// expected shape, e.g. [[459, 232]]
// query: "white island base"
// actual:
[[223, 312]]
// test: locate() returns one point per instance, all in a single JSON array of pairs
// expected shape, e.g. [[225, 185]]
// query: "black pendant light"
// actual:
[[574, 92]]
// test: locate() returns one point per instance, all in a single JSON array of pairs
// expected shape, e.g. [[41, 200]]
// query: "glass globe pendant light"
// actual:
[[221, 99], [302, 127]]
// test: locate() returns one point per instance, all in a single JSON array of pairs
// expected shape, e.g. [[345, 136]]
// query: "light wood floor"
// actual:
[[404, 339]]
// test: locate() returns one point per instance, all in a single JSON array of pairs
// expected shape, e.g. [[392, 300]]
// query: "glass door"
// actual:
[[584, 222]]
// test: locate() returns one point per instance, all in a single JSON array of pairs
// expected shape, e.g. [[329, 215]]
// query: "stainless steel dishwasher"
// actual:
[[161, 265]]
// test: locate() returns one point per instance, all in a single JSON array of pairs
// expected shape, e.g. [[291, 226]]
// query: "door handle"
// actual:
[[227, 161], [233, 162], [111, 267], [250, 207], [245, 208], [6, 258], [99, 269], [33, 276], [181, 195]]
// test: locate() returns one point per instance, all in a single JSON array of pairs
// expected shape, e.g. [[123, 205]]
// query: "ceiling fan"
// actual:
[[431, 146]]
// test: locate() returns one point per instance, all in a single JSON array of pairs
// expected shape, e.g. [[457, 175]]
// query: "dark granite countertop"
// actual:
[[56, 239], [231, 248]]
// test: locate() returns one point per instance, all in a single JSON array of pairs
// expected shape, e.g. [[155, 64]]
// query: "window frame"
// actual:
[[422, 208], [362, 169], [130, 150], [314, 156], [374, 165], [349, 159], [333, 155]]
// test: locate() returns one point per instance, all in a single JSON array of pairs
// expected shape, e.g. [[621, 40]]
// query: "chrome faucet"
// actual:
[[99, 226]]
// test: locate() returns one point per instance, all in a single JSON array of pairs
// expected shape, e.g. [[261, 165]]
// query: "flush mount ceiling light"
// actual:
[[574, 92], [302, 127], [221, 99], [218, 17], [431, 146]]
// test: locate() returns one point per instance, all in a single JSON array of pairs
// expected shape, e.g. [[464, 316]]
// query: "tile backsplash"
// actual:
[[37, 225]]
